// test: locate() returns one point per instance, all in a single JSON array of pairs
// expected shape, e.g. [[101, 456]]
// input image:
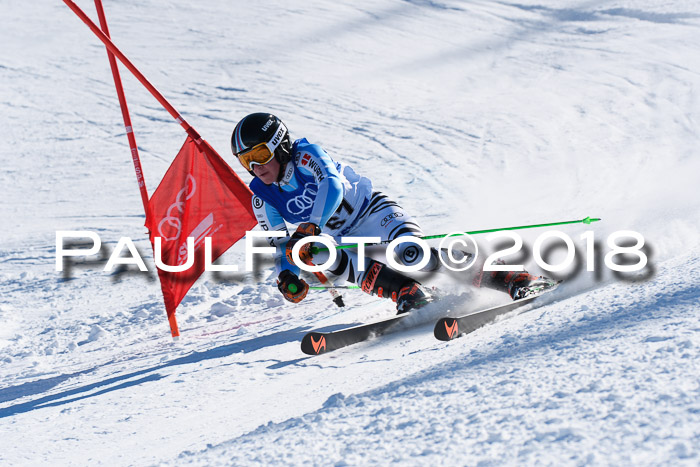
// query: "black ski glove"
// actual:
[[293, 288]]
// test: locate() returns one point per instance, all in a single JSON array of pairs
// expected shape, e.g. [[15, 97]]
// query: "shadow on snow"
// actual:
[[127, 380]]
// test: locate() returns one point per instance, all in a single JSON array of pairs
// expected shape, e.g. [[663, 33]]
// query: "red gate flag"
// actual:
[[200, 196]]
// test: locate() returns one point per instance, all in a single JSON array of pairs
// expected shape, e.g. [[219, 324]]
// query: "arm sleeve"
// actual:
[[270, 219], [330, 187]]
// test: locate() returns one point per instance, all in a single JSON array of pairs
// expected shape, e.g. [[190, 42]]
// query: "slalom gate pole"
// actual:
[[130, 66], [125, 111], [112, 52], [172, 320], [586, 220]]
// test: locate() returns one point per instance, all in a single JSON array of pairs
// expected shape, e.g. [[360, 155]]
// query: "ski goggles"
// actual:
[[262, 153], [258, 154]]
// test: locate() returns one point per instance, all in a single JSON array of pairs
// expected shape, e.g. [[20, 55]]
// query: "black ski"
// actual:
[[449, 328], [316, 343]]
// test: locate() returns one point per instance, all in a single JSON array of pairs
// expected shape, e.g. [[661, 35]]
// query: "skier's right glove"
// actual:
[[293, 288]]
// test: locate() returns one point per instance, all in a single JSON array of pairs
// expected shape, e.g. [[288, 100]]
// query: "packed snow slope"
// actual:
[[472, 115]]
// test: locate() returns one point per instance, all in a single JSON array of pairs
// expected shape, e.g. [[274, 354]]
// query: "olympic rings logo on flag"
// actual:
[[174, 221]]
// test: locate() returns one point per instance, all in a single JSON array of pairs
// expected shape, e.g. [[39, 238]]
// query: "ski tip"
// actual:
[[446, 329], [313, 343]]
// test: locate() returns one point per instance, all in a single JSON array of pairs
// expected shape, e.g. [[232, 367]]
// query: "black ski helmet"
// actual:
[[259, 128]]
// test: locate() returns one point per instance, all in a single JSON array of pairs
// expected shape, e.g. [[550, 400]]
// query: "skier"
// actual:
[[298, 182]]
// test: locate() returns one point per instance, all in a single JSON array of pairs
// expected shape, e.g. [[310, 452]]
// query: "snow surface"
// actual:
[[472, 115]]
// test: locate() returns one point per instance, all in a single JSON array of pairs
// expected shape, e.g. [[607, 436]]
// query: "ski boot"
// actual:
[[384, 282], [523, 285], [516, 284], [413, 297]]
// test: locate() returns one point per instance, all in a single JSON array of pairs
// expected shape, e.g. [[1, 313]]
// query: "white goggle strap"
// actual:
[[278, 138]]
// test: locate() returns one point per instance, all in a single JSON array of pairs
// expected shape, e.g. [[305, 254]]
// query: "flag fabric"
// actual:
[[200, 196]]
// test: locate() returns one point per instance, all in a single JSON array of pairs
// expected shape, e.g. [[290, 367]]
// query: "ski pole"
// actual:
[[327, 284], [586, 220]]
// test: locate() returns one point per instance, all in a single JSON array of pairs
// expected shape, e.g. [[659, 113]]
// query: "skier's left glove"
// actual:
[[305, 229], [293, 288]]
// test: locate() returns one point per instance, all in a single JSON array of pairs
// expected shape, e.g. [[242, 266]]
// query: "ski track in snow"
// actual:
[[471, 115]]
